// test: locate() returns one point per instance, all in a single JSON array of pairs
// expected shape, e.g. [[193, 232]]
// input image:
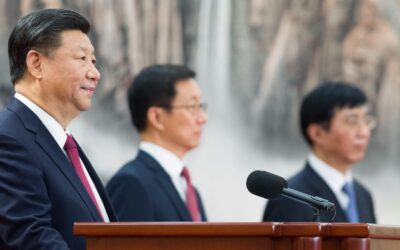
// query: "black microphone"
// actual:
[[270, 186]]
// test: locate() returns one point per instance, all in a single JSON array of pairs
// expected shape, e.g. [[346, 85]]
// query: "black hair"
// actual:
[[40, 30], [154, 86], [320, 104]]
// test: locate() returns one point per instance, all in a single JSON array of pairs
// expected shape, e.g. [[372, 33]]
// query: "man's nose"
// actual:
[[94, 73]]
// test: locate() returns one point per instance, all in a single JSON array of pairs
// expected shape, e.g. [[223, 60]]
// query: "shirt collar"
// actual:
[[329, 174], [55, 128], [169, 161]]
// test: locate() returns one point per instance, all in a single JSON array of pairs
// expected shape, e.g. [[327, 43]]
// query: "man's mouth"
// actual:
[[91, 89]]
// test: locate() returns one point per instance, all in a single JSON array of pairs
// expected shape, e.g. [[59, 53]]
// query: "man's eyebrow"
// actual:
[[86, 48], [194, 96]]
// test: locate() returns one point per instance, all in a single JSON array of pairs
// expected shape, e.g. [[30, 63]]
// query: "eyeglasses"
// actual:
[[193, 109], [355, 121]]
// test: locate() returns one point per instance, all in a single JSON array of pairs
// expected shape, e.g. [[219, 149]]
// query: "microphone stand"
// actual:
[[316, 216]]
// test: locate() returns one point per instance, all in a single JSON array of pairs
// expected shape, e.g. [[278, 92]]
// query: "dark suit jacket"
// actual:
[[41, 196], [308, 181], [142, 191]]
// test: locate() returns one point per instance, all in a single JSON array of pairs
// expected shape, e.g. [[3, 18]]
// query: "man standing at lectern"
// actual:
[[336, 123], [46, 181]]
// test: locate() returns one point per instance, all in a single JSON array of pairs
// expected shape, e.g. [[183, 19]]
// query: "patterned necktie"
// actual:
[[191, 200], [351, 211], [73, 154]]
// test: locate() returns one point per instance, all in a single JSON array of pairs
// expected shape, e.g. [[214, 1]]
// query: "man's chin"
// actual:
[[85, 106], [357, 158], [193, 145]]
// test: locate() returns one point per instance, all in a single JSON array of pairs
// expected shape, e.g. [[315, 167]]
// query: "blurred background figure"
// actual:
[[254, 61], [336, 123], [166, 108]]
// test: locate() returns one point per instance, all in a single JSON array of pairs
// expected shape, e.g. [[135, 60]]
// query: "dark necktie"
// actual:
[[351, 211], [191, 200], [73, 155]]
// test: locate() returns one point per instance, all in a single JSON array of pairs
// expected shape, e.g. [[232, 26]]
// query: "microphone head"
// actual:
[[265, 184]]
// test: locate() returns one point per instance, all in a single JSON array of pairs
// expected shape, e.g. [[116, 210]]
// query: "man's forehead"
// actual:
[[188, 88], [365, 108], [77, 39]]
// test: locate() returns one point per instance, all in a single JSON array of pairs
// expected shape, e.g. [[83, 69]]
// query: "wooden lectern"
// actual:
[[238, 236]]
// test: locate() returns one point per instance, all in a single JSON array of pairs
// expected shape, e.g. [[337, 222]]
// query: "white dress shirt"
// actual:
[[332, 177], [59, 135], [170, 163]]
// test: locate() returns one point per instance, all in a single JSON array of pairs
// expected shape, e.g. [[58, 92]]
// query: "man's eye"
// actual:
[[352, 120]]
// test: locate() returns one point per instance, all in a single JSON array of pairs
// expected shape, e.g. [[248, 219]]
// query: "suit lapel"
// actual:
[[98, 184], [364, 208], [46, 141], [201, 207], [320, 188], [166, 185]]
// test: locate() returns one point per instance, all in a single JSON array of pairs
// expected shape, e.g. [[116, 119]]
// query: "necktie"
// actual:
[[351, 211], [73, 154], [191, 200]]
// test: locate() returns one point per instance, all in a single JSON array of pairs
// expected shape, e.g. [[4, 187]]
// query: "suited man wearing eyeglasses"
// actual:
[[166, 108], [336, 124]]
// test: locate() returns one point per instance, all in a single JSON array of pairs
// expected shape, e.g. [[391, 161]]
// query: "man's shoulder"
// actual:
[[301, 177], [7, 119], [11, 128], [137, 174], [16, 118], [141, 165], [360, 187]]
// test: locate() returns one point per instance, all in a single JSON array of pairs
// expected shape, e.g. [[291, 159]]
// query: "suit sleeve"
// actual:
[[25, 208], [130, 198]]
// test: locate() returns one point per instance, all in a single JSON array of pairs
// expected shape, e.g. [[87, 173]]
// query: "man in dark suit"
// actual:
[[166, 108], [336, 123], [46, 181]]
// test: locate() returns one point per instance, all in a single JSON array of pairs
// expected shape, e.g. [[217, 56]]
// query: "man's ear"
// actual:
[[34, 60], [316, 132], [155, 118]]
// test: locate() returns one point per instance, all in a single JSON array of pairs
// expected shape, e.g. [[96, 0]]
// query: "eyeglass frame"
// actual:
[[368, 120], [193, 109]]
